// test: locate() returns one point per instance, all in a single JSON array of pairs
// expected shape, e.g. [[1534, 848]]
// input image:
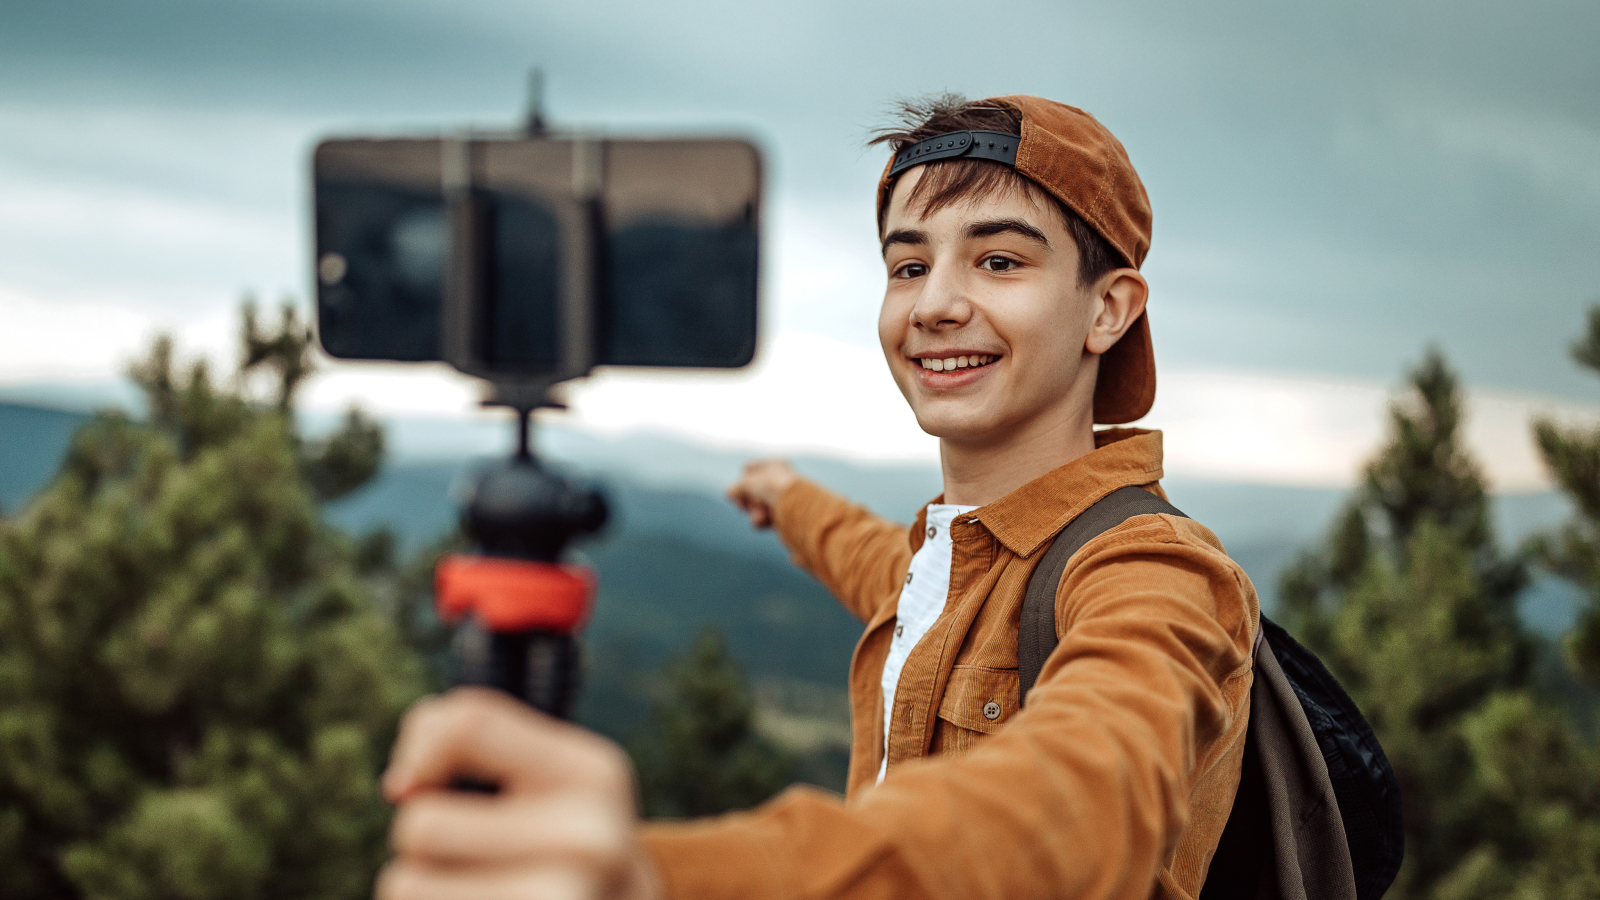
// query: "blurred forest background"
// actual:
[[210, 621]]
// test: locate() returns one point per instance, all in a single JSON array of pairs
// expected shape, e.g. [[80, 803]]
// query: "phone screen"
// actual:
[[382, 249]]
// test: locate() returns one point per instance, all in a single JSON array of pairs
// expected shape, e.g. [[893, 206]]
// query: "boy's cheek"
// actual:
[[902, 380], [891, 327]]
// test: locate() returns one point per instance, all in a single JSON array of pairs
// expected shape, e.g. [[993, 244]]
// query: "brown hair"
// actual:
[[947, 182]]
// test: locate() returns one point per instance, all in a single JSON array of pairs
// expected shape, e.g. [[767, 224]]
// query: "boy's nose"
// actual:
[[942, 303]]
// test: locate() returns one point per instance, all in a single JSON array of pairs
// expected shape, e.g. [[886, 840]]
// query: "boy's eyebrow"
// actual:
[[904, 236], [985, 228], [1001, 226]]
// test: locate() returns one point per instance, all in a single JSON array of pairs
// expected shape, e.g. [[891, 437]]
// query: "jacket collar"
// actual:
[[1030, 516]]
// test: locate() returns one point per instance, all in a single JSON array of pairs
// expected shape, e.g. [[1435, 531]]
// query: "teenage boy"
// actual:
[[1013, 321]]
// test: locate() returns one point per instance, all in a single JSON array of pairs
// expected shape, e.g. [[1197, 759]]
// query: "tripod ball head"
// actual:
[[520, 509]]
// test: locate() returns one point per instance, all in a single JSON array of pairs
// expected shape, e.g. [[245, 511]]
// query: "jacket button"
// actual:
[[932, 531], [899, 630], [991, 710], [908, 578]]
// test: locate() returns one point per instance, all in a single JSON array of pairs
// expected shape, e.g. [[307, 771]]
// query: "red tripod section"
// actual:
[[510, 595]]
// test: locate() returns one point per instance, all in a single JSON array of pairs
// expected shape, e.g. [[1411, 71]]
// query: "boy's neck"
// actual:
[[978, 474]]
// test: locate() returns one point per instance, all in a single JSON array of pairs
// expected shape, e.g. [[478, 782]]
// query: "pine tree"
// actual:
[[196, 688], [704, 755], [1573, 456], [1413, 607]]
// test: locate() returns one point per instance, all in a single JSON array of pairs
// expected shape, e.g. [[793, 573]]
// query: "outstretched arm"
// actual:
[[860, 557]]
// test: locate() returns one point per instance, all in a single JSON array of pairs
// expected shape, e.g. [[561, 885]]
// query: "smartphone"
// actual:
[[492, 253]]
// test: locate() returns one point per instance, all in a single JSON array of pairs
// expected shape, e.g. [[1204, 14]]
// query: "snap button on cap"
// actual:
[[991, 710]]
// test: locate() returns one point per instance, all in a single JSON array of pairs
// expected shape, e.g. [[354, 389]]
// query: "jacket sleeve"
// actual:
[[1084, 794], [858, 556]]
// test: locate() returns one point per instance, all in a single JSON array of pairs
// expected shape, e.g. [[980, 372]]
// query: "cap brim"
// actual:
[[1126, 386]]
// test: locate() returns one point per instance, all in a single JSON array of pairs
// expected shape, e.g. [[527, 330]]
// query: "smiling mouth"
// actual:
[[953, 363]]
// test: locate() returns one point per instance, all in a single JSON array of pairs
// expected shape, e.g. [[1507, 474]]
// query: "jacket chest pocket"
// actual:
[[977, 701]]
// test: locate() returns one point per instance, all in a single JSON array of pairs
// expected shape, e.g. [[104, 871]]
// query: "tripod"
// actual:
[[518, 606]]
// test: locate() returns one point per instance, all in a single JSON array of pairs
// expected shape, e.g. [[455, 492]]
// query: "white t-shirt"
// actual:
[[922, 599]]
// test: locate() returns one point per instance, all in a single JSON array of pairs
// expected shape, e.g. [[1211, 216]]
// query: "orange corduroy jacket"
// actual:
[[1114, 782]]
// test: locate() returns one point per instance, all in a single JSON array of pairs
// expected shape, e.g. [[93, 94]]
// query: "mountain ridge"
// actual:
[[660, 486]]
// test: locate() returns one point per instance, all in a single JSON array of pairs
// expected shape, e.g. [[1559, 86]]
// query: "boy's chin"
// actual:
[[958, 429]]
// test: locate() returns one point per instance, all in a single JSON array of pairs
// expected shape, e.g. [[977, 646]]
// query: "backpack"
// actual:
[[1317, 814]]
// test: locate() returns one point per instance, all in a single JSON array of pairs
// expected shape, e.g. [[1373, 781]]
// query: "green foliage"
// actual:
[[403, 591], [346, 460], [1573, 457], [1586, 350], [196, 687], [1413, 607], [704, 755], [1423, 473], [286, 353]]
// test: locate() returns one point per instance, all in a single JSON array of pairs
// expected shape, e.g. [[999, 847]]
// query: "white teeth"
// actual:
[[956, 362]]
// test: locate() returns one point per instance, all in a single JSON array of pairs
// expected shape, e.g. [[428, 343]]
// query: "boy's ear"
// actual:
[[1120, 296]]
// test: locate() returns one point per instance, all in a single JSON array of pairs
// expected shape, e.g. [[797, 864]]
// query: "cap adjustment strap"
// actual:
[[996, 146]]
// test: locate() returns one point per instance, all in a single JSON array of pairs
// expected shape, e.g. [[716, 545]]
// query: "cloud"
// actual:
[[172, 216], [1311, 432], [132, 224], [1554, 151], [97, 335]]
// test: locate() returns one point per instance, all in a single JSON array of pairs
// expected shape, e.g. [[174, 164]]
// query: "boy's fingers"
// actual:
[[454, 829], [754, 507], [485, 734], [760, 514]]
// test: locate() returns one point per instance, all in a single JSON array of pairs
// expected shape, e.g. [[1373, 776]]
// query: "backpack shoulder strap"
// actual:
[[1036, 634]]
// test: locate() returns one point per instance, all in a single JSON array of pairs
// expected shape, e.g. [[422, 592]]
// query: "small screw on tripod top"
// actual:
[[533, 122]]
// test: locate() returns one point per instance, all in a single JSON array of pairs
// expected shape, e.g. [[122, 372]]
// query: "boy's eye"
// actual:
[[911, 270], [999, 263]]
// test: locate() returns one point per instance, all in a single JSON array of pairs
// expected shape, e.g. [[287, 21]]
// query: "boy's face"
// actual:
[[994, 280]]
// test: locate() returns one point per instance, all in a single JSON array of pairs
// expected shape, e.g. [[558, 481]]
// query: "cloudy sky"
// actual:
[[1336, 186]]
